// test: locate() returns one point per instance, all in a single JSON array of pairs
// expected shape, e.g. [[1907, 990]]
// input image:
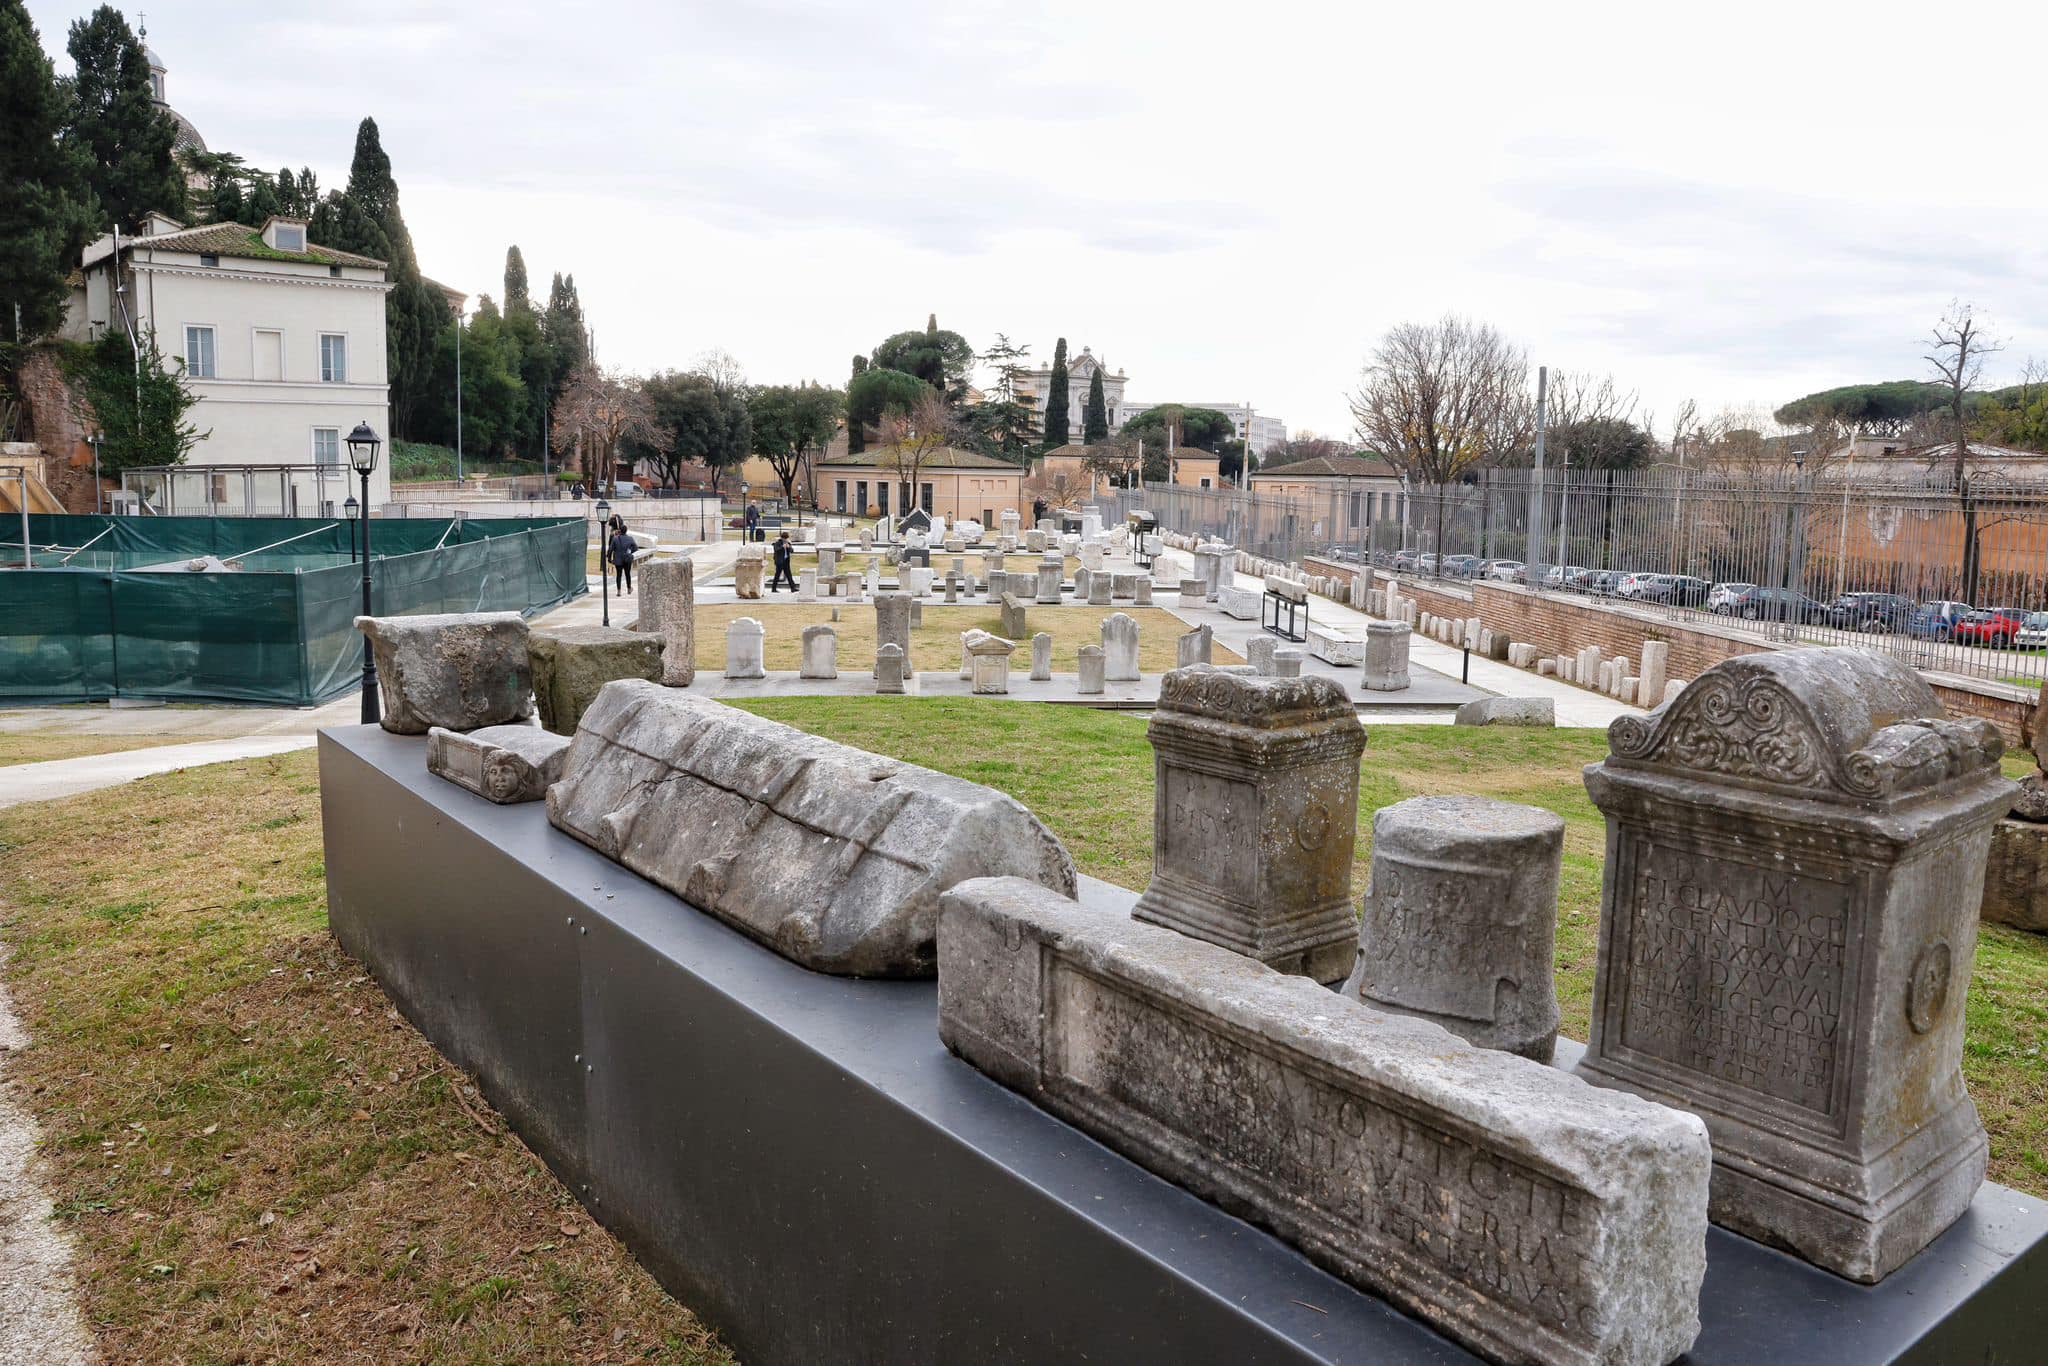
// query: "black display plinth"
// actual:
[[801, 1162]]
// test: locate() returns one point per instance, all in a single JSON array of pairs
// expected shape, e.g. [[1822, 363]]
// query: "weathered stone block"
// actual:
[[892, 622], [1258, 652], [2016, 876], [1795, 861], [1508, 711], [503, 764], [1522, 1213], [747, 573], [1337, 644], [1240, 602], [1124, 585], [831, 856], [889, 667], [1287, 663], [1255, 817], [820, 653], [1460, 923], [570, 663], [1092, 671], [1041, 657], [1386, 656], [1016, 621], [1141, 595], [1099, 585], [1120, 648], [1194, 647], [460, 670], [990, 659], [668, 608]]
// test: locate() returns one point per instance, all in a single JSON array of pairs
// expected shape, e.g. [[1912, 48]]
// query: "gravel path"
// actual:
[[39, 1319]]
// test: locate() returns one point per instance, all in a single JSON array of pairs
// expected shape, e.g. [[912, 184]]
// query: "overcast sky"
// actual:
[[1737, 203]]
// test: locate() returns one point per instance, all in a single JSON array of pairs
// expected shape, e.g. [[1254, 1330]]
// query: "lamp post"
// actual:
[[604, 547], [362, 456], [743, 511], [354, 510]]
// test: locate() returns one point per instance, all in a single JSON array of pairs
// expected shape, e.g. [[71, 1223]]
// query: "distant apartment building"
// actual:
[[281, 339]]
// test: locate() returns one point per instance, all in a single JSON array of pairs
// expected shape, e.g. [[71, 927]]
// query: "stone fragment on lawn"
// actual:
[[1508, 1205], [570, 663], [1813, 821], [461, 670], [1508, 711], [745, 648], [503, 764], [831, 856], [1255, 816]]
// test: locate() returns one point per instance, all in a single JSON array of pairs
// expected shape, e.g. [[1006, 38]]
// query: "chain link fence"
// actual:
[[1949, 574]]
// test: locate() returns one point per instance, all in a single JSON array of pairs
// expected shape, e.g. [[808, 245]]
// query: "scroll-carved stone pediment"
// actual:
[[1836, 724]]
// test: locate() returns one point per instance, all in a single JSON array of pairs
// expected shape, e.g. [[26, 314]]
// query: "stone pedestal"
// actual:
[[1049, 584], [747, 572], [2016, 876], [806, 585], [570, 664], [892, 622], [1287, 663], [889, 668], [668, 608], [1460, 922], [1386, 656], [917, 579], [1041, 657], [1120, 648], [1141, 592], [1258, 652], [1099, 585], [1795, 860], [1256, 816], [820, 653], [744, 645], [990, 659], [1092, 672], [828, 561]]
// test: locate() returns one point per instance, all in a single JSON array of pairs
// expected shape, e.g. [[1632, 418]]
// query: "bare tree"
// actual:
[[596, 411], [1057, 491], [910, 441], [1438, 400], [1958, 348]]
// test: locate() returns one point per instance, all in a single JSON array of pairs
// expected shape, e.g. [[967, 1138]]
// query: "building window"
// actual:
[[925, 497], [199, 352], [860, 498], [333, 358], [207, 258], [327, 445], [839, 491], [289, 237], [1354, 509], [882, 496]]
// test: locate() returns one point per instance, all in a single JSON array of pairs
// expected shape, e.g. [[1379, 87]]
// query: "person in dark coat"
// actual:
[[753, 523], [621, 556], [782, 550]]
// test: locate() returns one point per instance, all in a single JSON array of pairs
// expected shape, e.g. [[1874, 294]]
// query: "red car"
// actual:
[[1994, 628]]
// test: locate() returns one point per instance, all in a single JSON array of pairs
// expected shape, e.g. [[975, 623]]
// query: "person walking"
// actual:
[[753, 523], [622, 548], [782, 574]]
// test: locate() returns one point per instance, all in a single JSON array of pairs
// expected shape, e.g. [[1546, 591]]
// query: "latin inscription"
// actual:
[[1738, 973], [1422, 926], [1503, 1229], [1210, 826]]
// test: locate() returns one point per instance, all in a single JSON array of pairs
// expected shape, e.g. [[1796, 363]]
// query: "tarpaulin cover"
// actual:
[[279, 631]]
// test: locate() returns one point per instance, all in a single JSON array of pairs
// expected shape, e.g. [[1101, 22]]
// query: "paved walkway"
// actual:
[[56, 778]]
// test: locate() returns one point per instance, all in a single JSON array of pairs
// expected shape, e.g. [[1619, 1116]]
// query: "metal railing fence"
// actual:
[[1834, 558]]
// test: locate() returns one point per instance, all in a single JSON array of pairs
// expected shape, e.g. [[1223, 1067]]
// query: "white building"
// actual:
[[281, 339], [1032, 387], [1257, 431]]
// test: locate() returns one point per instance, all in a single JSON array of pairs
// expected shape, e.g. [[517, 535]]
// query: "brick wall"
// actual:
[[54, 423], [1568, 625]]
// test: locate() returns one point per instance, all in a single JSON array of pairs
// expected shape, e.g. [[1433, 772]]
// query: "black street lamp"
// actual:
[[353, 509], [604, 550], [362, 455]]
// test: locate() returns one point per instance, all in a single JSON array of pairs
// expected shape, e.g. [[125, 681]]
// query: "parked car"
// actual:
[[1993, 628], [1680, 590], [1870, 612], [1721, 598], [1461, 566], [1407, 558], [2033, 632], [1425, 564], [1568, 577], [1778, 604], [1937, 620], [1505, 571], [1637, 585], [1603, 582]]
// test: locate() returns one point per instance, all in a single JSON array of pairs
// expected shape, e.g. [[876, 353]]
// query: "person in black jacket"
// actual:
[[622, 548], [782, 575]]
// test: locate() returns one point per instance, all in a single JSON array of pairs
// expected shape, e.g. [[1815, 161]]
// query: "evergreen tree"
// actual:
[[1056, 399], [562, 325], [124, 142], [1095, 418], [262, 203], [516, 298], [339, 222], [416, 315], [856, 432], [288, 193], [374, 189], [43, 212]]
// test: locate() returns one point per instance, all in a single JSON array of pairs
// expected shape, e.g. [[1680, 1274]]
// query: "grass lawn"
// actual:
[[936, 644], [26, 747], [1088, 775], [258, 1159]]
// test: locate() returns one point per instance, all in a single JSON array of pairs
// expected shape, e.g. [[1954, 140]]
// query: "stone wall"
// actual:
[[67, 463], [1564, 625]]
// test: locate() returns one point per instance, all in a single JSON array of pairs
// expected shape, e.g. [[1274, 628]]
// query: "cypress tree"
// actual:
[[856, 430], [288, 194], [1095, 417], [563, 327], [516, 298], [124, 142], [42, 194], [415, 313], [1056, 428]]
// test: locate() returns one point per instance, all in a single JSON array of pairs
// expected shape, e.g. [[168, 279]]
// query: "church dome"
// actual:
[[188, 138]]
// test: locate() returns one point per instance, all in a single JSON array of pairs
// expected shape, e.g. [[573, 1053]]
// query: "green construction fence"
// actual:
[[110, 610]]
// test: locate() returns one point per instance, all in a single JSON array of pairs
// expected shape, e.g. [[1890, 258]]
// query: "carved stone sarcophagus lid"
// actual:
[[1795, 855]]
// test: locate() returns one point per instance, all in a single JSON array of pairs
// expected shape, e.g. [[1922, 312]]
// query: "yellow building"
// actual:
[[1192, 468], [1357, 490], [959, 484]]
